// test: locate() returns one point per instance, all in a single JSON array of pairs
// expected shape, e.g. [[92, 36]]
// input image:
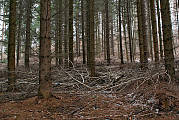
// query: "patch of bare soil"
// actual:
[[118, 92]]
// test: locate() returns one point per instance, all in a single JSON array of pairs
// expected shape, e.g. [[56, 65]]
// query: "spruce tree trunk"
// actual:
[[144, 29], [19, 33], [107, 31], [154, 30], [66, 34], [45, 51], [28, 33], [129, 30], [71, 59], [90, 36], [112, 37], [140, 32], [88, 32], [60, 33], [11, 46], [159, 30], [167, 38], [124, 32], [57, 32], [120, 32], [77, 33], [149, 31], [3, 24], [104, 37], [92, 52], [82, 25]]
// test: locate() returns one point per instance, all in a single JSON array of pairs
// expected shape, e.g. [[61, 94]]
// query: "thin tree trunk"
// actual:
[[149, 31], [57, 32], [3, 27], [71, 58], [120, 32], [92, 52], [154, 30], [112, 37], [28, 33], [107, 32], [88, 32], [11, 46], [159, 30], [82, 25], [140, 32], [129, 30], [124, 32], [66, 33], [77, 34], [104, 36], [60, 33], [19, 34], [177, 12]]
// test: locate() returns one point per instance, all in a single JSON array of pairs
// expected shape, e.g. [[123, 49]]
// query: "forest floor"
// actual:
[[119, 92]]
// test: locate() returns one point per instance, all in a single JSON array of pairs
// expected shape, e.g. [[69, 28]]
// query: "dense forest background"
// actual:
[[70, 49]]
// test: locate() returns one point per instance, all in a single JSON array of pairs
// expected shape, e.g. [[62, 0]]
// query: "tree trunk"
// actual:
[[140, 32], [144, 29], [3, 31], [90, 36], [71, 59], [66, 33], [19, 33], [167, 38], [159, 30], [77, 33], [112, 37], [88, 31], [154, 30], [129, 30], [60, 34], [120, 33], [124, 32], [104, 36], [82, 25], [45, 51], [149, 31], [107, 31], [28, 34], [11, 46], [57, 17]]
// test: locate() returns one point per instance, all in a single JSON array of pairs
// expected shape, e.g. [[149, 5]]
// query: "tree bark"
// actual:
[[167, 38], [140, 32], [28, 33], [11, 46], [71, 59], [129, 30], [144, 14], [107, 31], [90, 35], [45, 51], [120, 32], [66, 34], [19, 33], [60, 33], [82, 25], [57, 17], [159, 30], [154, 30]]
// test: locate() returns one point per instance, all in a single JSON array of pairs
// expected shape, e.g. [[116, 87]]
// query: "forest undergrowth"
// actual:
[[122, 92]]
